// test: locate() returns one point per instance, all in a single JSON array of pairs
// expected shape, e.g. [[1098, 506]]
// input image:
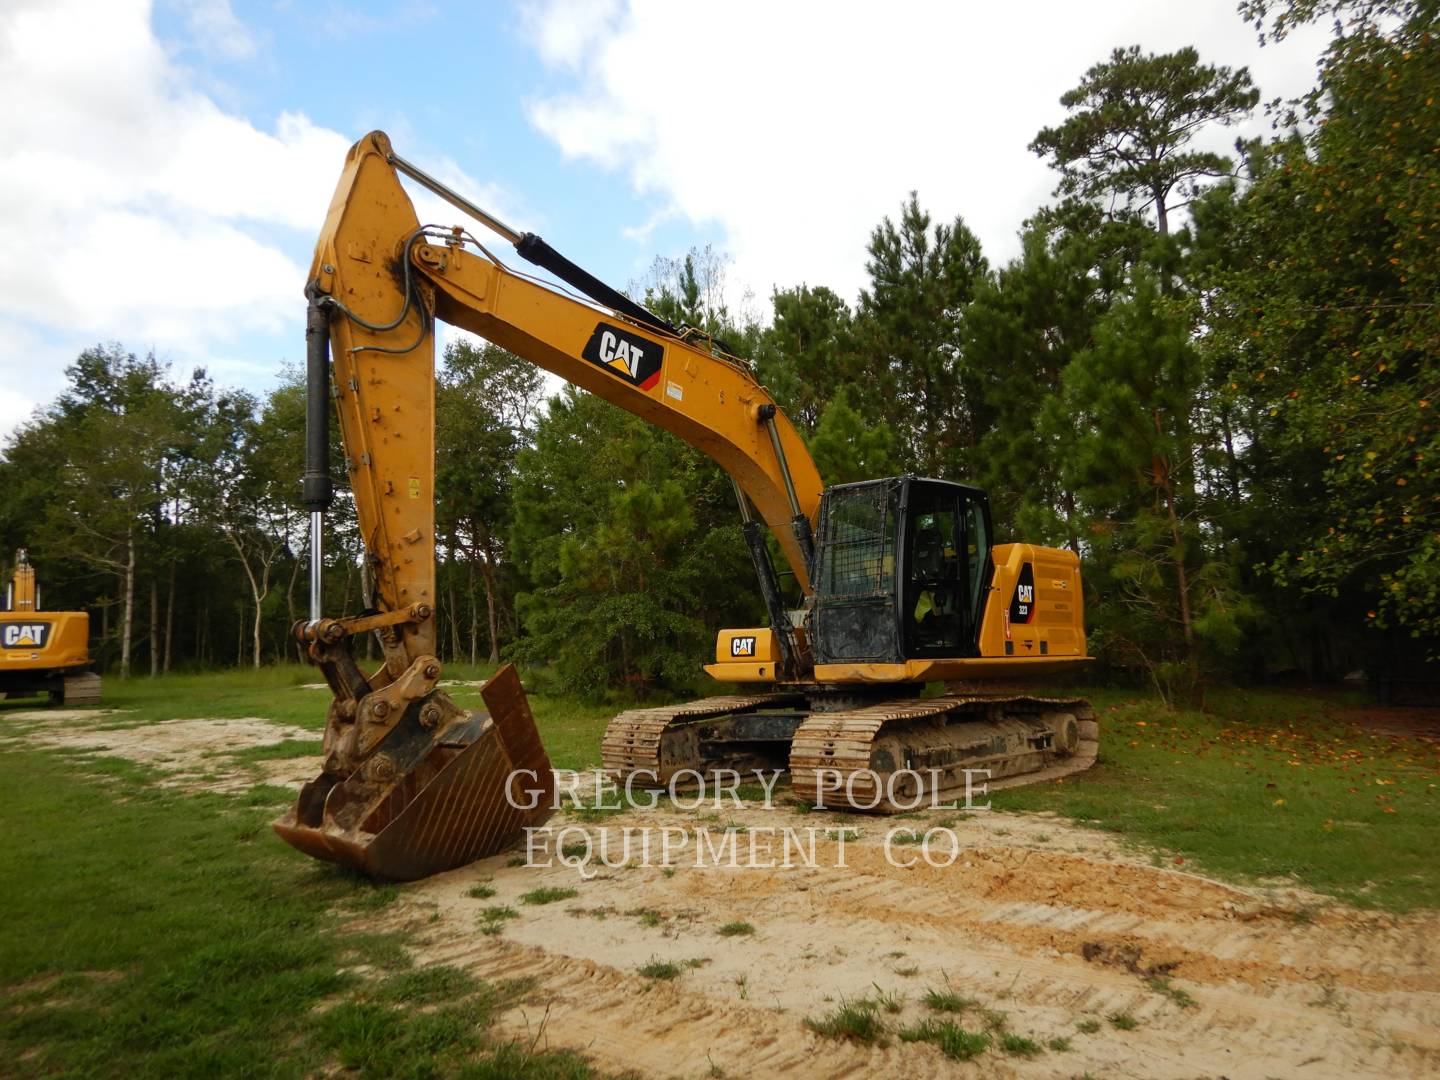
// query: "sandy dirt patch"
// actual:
[[195, 754], [1049, 923]]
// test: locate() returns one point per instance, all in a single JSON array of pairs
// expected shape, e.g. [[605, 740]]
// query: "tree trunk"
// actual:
[[259, 600], [170, 620], [154, 626], [454, 607], [290, 608], [487, 578], [127, 617], [1074, 540], [1232, 466], [1182, 584], [474, 615]]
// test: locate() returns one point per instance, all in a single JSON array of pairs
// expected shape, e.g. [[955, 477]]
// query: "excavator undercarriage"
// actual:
[[883, 755]]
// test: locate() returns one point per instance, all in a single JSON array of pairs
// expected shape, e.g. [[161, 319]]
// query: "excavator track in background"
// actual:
[[846, 759], [655, 744], [79, 689]]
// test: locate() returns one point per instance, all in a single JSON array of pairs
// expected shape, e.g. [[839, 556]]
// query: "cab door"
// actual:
[[934, 609]]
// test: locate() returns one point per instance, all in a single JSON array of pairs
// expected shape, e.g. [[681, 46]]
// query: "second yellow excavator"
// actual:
[[903, 584], [43, 652]]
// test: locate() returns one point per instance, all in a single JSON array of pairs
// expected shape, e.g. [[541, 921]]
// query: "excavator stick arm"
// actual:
[[411, 783]]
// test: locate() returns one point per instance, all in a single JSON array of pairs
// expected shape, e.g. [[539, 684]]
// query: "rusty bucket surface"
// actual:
[[470, 794]]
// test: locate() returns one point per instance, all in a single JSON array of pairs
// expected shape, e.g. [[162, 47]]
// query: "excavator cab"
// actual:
[[903, 569]]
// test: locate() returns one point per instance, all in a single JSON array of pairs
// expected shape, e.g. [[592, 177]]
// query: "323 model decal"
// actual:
[[619, 351], [1022, 604]]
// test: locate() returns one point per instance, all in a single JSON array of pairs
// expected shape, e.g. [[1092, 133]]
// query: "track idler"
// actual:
[[412, 784]]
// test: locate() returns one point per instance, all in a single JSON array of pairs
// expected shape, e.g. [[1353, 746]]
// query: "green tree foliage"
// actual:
[[908, 332], [805, 355], [630, 548], [847, 447], [1132, 121], [1133, 402], [1027, 324], [89, 481], [1328, 310], [486, 402]]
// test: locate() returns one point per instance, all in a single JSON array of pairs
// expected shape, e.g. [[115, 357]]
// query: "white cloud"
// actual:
[[137, 209], [215, 29], [797, 126], [563, 31]]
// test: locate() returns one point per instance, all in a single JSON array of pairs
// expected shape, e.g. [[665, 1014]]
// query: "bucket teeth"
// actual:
[[470, 791]]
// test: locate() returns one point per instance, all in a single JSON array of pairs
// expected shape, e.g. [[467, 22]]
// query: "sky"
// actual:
[[165, 166]]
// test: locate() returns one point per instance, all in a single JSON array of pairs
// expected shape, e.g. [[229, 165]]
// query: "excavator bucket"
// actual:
[[470, 793]]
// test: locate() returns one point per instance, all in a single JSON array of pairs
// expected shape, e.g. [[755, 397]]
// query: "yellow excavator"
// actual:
[[902, 582], [43, 652]]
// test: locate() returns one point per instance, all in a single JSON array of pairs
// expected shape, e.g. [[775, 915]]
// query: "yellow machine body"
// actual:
[[43, 652]]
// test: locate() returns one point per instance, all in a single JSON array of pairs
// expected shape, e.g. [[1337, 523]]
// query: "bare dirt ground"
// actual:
[[197, 755], [1047, 923]]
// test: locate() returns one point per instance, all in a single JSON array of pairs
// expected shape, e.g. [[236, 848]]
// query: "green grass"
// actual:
[[852, 1021], [1268, 784], [663, 970], [1019, 1045], [953, 1041], [548, 895], [1175, 993], [946, 1001], [481, 891], [736, 929], [285, 748], [1088, 1026], [1123, 1021], [1217, 790], [907, 837], [155, 933], [891, 1001]]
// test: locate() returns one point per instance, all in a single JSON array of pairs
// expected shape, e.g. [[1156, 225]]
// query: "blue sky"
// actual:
[[168, 162], [445, 81]]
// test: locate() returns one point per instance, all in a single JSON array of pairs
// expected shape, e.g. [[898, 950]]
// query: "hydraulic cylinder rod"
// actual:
[[799, 523], [316, 491]]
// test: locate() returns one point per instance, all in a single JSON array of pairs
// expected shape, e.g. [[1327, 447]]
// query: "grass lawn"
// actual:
[[1266, 784], [153, 932]]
